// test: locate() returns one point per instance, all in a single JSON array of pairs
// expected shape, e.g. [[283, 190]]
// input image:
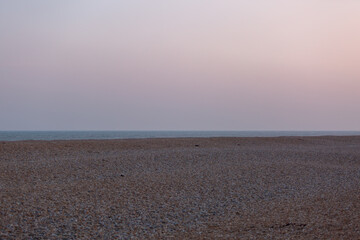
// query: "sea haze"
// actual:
[[81, 135]]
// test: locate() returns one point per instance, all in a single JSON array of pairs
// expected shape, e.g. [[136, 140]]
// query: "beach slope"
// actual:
[[190, 188]]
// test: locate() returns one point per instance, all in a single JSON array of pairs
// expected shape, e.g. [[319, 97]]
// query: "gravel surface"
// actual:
[[191, 188]]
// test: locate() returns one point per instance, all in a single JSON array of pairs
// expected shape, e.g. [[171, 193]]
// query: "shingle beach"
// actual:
[[184, 188]]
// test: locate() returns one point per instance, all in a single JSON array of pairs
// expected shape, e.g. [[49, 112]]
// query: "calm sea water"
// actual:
[[72, 135]]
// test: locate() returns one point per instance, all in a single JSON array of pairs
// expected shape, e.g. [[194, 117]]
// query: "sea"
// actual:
[[83, 135]]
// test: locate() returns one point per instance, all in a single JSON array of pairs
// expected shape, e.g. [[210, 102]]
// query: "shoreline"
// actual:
[[114, 135], [180, 138]]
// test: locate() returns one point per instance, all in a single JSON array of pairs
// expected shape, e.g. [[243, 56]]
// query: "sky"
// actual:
[[179, 65]]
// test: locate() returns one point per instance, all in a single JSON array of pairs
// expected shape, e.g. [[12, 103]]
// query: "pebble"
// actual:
[[230, 188]]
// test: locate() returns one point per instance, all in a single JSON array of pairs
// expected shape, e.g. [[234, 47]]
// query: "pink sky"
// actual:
[[179, 65]]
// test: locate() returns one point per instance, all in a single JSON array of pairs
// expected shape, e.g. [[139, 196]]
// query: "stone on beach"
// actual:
[[286, 187]]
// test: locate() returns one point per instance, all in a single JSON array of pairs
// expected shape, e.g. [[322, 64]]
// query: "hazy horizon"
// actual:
[[185, 65], [186, 130]]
